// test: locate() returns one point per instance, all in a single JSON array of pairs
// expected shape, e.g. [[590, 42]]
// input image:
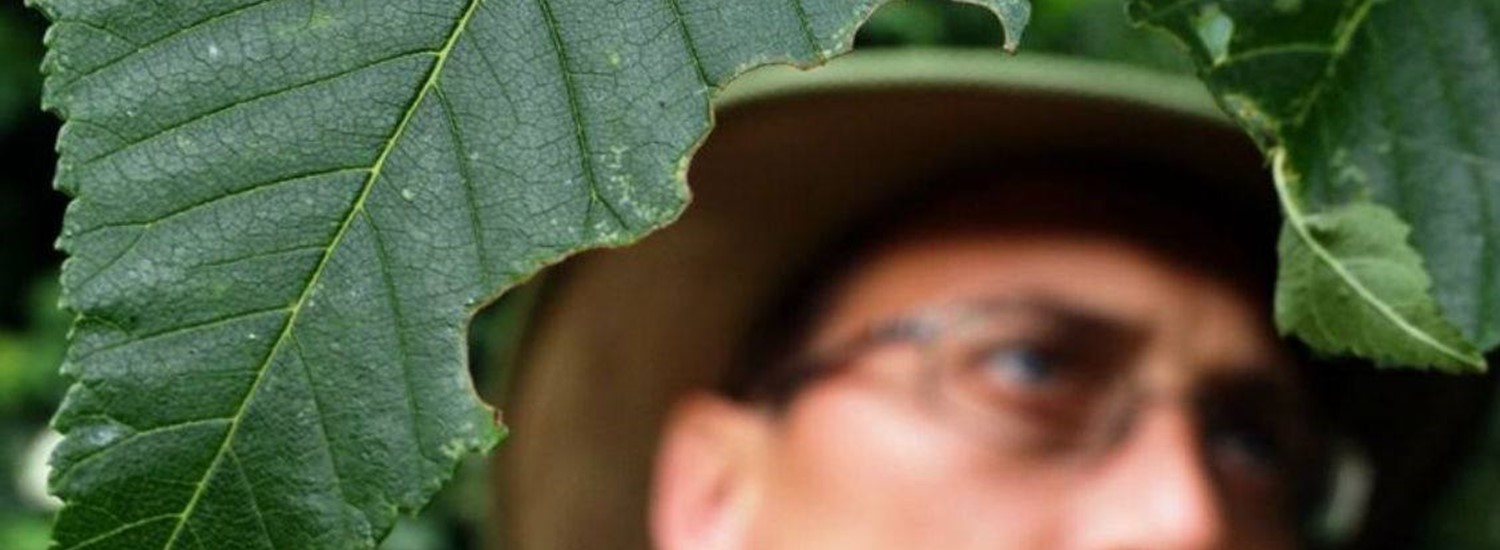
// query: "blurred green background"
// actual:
[[33, 330]]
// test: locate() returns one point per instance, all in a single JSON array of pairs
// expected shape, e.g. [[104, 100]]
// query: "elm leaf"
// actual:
[[1378, 106], [286, 211], [1349, 283]]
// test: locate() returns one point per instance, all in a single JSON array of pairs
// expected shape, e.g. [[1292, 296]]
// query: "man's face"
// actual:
[[1108, 398]]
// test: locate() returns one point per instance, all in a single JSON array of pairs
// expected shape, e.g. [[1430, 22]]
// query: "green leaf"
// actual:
[[1348, 283], [1393, 103], [287, 211]]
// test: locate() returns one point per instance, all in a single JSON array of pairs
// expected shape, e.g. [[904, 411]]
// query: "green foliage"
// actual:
[[29, 386], [19, 49], [1096, 29], [1340, 271], [286, 213], [29, 359], [1391, 102], [25, 534], [1100, 29], [933, 23]]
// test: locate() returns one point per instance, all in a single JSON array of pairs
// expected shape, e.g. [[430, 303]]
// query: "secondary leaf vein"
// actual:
[[393, 299], [260, 519], [355, 209], [184, 209], [575, 110], [466, 177], [807, 31], [312, 389], [163, 39], [119, 530], [207, 115], [216, 321], [688, 43]]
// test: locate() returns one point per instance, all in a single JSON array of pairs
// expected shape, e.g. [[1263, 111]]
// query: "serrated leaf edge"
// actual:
[[1297, 219], [1012, 20]]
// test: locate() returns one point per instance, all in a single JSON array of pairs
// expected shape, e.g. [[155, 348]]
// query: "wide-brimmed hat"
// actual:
[[796, 157]]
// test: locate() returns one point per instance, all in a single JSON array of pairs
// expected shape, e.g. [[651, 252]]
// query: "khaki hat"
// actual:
[[795, 157]]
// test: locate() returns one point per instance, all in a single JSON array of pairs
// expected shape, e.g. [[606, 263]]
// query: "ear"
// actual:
[[710, 471]]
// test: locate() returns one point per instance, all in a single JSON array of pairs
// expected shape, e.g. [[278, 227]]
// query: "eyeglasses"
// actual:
[[1037, 380]]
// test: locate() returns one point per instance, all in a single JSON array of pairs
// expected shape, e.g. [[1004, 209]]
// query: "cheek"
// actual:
[[852, 467]]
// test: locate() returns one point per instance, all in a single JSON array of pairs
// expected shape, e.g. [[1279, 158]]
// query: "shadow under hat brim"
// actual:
[[795, 157]]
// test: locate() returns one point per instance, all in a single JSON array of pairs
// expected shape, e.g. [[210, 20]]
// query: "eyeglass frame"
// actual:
[[1334, 485]]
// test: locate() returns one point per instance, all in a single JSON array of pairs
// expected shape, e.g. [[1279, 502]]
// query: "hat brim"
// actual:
[[794, 157]]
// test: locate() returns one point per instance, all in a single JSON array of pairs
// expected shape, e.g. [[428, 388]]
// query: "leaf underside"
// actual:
[[1377, 107], [286, 212], [1339, 269]]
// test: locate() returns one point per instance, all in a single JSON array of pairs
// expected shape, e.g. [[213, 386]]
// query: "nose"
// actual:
[[1153, 492]]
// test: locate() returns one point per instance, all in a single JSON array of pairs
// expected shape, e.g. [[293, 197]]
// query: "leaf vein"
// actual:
[[141, 339], [261, 255], [100, 28], [148, 224], [163, 39], [355, 208], [1297, 219], [118, 531], [1302, 48], [383, 261], [79, 462], [688, 42], [807, 31], [207, 115], [575, 110], [466, 177], [260, 518], [312, 389], [1343, 37], [134, 241]]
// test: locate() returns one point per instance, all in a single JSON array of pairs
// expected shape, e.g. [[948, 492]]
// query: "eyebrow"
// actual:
[[1099, 332], [1090, 327]]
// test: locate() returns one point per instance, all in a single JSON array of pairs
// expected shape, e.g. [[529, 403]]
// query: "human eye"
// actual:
[[1028, 388], [1020, 364], [1026, 374], [1038, 376]]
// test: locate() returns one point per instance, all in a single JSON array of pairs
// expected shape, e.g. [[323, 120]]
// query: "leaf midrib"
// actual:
[[1342, 40], [429, 84], [1298, 221]]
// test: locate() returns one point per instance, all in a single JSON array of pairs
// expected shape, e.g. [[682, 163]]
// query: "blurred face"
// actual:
[[1009, 388]]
